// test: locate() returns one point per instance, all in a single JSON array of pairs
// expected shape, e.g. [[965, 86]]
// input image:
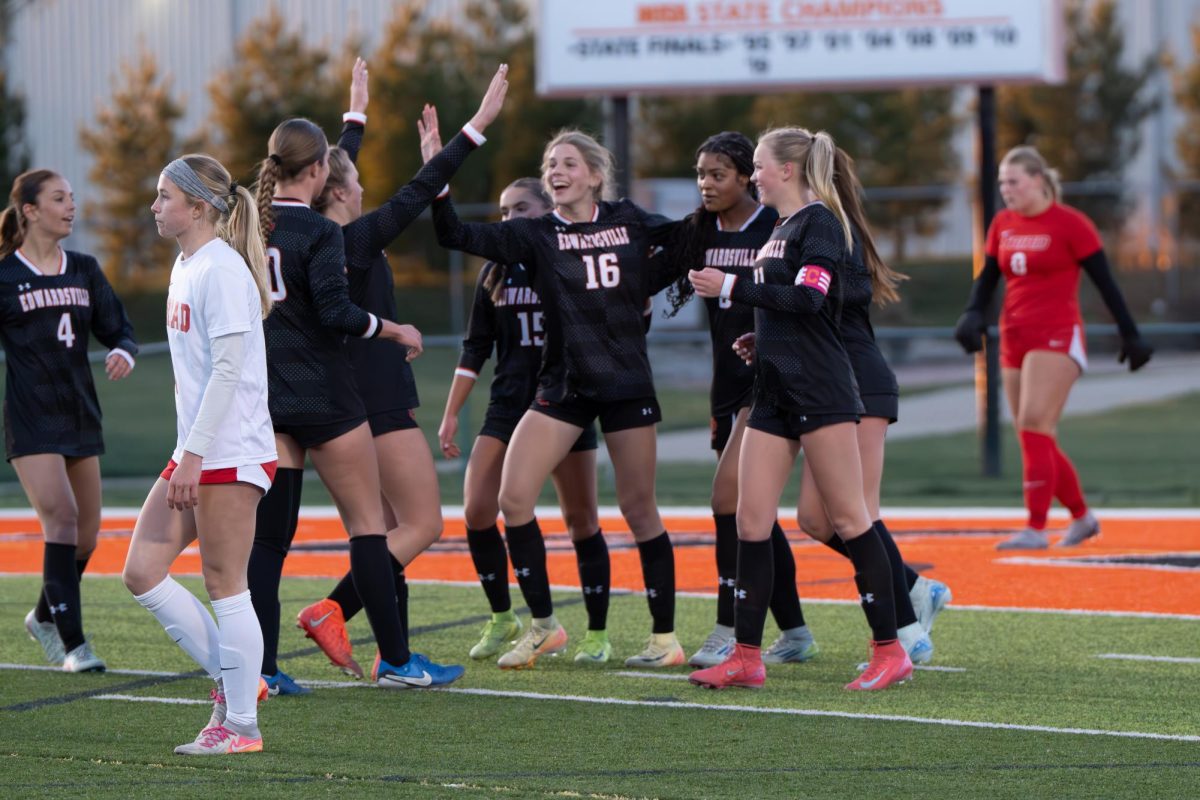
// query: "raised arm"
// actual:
[[354, 121], [508, 242]]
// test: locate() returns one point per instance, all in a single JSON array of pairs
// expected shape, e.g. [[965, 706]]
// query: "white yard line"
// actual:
[[1137, 657], [133, 698], [812, 712], [618, 701]]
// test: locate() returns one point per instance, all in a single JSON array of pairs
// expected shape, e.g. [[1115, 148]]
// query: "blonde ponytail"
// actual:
[[819, 175], [243, 233]]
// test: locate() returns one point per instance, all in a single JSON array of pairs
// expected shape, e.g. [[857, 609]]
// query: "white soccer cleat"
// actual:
[[716, 648], [46, 634], [1082, 529], [82, 659]]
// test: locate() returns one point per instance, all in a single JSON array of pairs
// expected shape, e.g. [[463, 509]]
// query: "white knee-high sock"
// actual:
[[187, 621], [241, 656]]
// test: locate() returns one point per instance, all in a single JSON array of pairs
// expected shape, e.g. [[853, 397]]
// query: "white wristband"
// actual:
[[117, 351], [474, 135], [355, 116], [727, 285]]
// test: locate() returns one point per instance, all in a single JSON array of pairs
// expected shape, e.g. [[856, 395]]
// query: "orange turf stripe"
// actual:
[[969, 563]]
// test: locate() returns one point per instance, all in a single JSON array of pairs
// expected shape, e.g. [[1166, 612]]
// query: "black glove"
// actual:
[[969, 331], [1137, 350]]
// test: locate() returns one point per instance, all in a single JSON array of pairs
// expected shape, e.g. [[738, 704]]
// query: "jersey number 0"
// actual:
[[275, 268]]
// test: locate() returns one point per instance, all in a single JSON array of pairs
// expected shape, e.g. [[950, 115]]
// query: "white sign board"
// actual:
[[588, 47]]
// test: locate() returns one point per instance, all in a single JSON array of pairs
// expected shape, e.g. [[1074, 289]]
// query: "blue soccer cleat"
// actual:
[[281, 684], [418, 673]]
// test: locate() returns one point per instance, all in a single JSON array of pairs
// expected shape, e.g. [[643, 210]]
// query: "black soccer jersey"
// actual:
[[310, 380], [384, 376], [733, 251], [858, 337], [50, 403], [514, 326], [593, 279], [800, 364]]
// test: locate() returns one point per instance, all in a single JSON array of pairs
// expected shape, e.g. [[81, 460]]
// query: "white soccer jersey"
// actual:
[[212, 294]]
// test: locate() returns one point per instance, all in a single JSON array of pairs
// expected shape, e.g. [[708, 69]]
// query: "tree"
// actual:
[[897, 139], [274, 75], [14, 154], [1088, 128], [424, 57], [133, 137]]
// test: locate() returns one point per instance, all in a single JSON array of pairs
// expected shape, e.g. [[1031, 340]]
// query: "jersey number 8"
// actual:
[[275, 270], [609, 272], [1019, 264]]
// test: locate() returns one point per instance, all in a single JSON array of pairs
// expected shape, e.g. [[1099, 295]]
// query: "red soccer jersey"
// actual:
[[1040, 257]]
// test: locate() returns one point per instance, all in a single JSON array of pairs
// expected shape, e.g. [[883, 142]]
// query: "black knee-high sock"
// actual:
[[60, 584], [274, 527], [658, 572], [755, 577], [873, 576], [838, 546], [491, 564], [727, 556], [346, 596], [528, 552], [370, 564], [41, 612], [785, 598], [401, 595], [904, 609], [595, 576]]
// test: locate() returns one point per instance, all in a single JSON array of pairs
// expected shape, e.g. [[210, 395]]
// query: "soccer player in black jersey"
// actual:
[[805, 393], [50, 299], [411, 504], [726, 232], [315, 402], [507, 316], [590, 267]]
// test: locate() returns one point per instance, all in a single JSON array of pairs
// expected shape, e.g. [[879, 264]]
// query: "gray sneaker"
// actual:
[[1028, 539], [46, 634], [791, 648], [82, 659], [1082, 529], [716, 648]]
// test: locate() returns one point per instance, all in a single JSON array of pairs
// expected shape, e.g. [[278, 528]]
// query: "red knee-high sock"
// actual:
[[1038, 452], [1066, 484]]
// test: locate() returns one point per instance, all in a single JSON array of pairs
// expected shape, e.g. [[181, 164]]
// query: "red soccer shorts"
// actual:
[[260, 475], [1016, 341]]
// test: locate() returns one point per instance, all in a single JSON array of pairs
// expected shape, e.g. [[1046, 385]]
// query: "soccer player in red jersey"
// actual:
[[1040, 245]]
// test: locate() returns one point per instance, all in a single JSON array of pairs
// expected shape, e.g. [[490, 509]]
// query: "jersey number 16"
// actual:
[[602, 270]]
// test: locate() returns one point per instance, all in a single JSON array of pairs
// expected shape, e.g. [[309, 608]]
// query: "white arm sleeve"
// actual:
[[228, 356]]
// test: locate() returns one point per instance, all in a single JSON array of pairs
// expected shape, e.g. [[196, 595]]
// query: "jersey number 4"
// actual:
[[275, 267], [602, 270], [66, 333]]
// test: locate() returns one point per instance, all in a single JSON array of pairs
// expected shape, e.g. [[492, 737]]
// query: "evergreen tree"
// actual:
[[273, 75], [132, 139], [1088, 127]]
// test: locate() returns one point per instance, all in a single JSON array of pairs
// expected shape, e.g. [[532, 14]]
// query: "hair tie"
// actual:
[[233, 187], [276, 159]]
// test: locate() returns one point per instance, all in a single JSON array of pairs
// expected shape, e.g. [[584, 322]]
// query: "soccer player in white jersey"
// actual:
[[224, 458]]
